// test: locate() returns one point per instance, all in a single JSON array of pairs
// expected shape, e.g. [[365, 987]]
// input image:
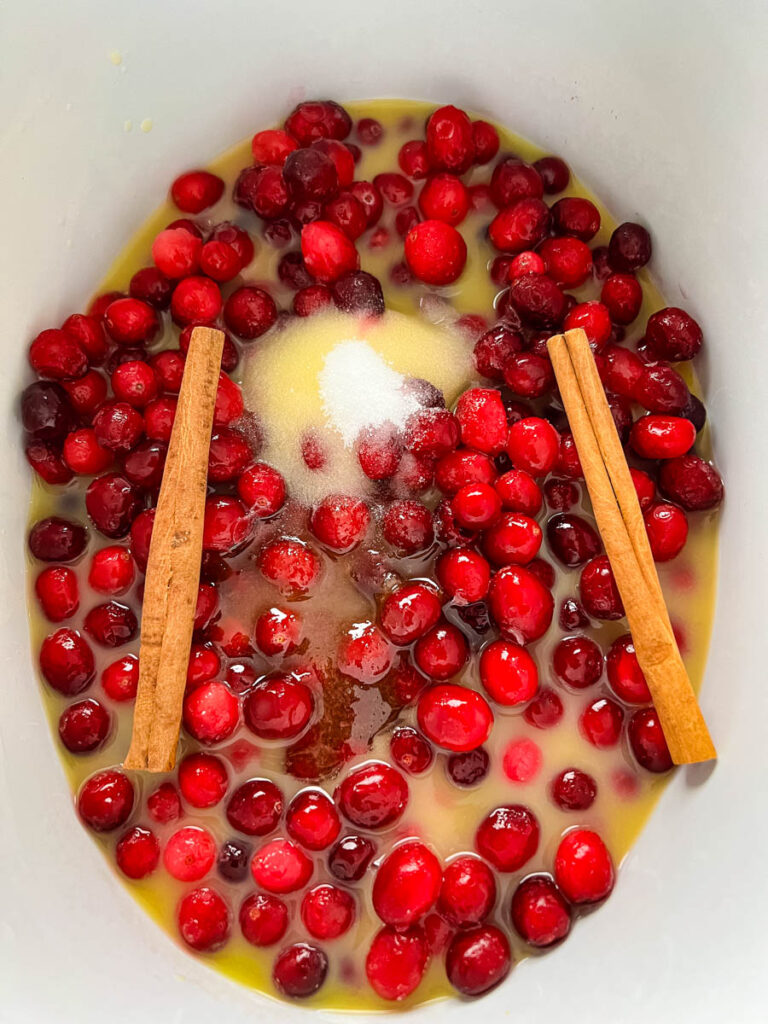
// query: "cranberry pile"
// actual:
[[446, 547]]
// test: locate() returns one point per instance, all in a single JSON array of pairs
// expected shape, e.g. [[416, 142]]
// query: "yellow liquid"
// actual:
[[280, 379]]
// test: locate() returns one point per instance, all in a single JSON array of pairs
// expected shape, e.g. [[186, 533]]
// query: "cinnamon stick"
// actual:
[[173, 567], [620, 521]]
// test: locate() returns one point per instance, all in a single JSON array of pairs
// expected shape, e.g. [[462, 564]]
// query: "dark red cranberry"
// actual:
[[150, 285], [468, 767], [300, 970], [58, 355], [249, 312], [318, 119], [513, 180], [357, 291], [662, 390], [572, 540], [647, 742], [545, 710], [673, 334], [112, 504], [576, 216], [232, 860], [598, 591], [478, 960], [629, 248], [601, 723], [84, 726], [350, 857], [106, 800], [410, 751], [573, 790], [538, 300], [111, 624], [46, 412], [57, 540], [691, 482], [263, 919], [255, 807], [310, 174], [554, 174], [578, 661], [540, 913]]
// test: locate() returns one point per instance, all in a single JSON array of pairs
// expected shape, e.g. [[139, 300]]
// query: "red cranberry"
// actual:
[[567, 260], [278, 632], [118, 426], [347, 213], [211, 712], [373, 795], [540, 914], [350, 857], [249, 312], [57, 591], [340, 522], [46, 460], [578, 661], [89, 332], [622, 295], [508, 837], [629, 248], [520, 226], [312, 819], [203, 780], [482, 420], [203, 918], [646, 739], [364, 653], [512, 180], [370, 131], [454, 717], [576, 216], [163, 804], [195, 191], [409, 612], [458, 468], [673, 334], [520, 603], [468, 892], [255, 807], [131, 322], [57, 540], [667, 528], [468, 767], [106, 800], [495, 348], [262, 488], [478, 960], [593, 318], [464, 575], [312, 300], [327, 251], [278, 708], [583, 867], [312, 174], [327, 912], [431, 432], [598, 591], [158, 418], [529, 375], [444, 197], [691, 482], [112, 570], [662, 437], [315, 119], [620, 370], [573, 790], [545, 710], [601, 723], [263, 919], [59, 355], [84, 726], [98, 306], [111, 624], [280, 867], [485, 139], [519, 492], [450, 143], [513, 540], [226, 526], [120, 680], [407, 884], [413, 159], [476, 506], [204, 664], [561, 495], [229, 455], [291, 565], [533, 445], [137, 853], [368, 195], [168, 365], [407, 526], [272, 146], [624, 673], [441, 652], [410, 751], [141, 534], [396, 962], [435, 252], [508, 673], [266, 191]]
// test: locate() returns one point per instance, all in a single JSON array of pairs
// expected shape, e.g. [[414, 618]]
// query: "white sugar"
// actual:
[[360, 390]]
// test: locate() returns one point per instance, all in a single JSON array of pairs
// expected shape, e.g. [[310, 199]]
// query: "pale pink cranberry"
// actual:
[[84, 726], [407, 884], [520, 603], [373, 795], [450, 142], [263, 919], [647, 742], [578, 661], [255, 807], [522, 760], [598, 591], [350, 857], [601, 723], [204, 919], [410, 750], [625, 676], [508, 837], [540, 914], [583, 867], [106, 800], [573, 790], [396, 962], [545, 710], [203, 781], [137, 853], [435, 252], [478, 960], [281, 867], [278, 708]]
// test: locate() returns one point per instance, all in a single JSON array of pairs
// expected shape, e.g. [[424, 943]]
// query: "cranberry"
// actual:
[[407, 884], [267, 190], [519, 492], [195, 191], [520, 226], [340, 522], [495, 348], [468, 767], [573, 790], [278, 708], [572, 540], [410, 751], [583, 867], [59, 355], [662, 390], [520, 603], [464, 575], [545, 710], [409, 612], [485, 139], [249, 312], [84, 726], [112, 570], [468, 892], [300, 970], [272, 146], [203, 918], [646, 740], [620, 370], [441, 652], [458, 468], [478, 960], [89, 332], [673, 334], [513, 180], [204, 664], [691, 482], [561, 495], [444, 197], [327, 251], [578, 661], [203, 781], [667, 528], [137, 852], [598, 591], [111, 624], [435, 252], [99, 305], [57, 540], [508, 673], [350, 857], [158, 418], [624, 673], [662, 437], [106, 800], [57, 591], [373, 795], [482, 420], [278, 632], [431, 432], [312, 819], [593, 318], [629, 248], [513, 540], [601, 722], [150, 285], [529, 375], [454, 717], [576, 216], [263, 919], [540, 914], [226, 525], [533, 445], [262, 488], [317, 119], [476, 506], [255, 807], [368, 195], [356, 291], [87, 393], [280, 867], [567, 260], [46, 412], [311, 300], [396, 962], [450, 143], [292, 271], [290, 564], [413, 159], [47, 461], [163, 804], [364, 653], [211, 712], [508, 837], [554, 174], [120, 679], [347, 213], [622, 295], [407, 526]]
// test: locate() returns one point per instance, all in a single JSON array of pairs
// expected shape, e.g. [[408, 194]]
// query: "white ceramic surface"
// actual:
[[658, 106]]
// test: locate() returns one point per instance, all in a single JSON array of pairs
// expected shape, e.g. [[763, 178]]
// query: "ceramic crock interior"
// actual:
[[657, 108]]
